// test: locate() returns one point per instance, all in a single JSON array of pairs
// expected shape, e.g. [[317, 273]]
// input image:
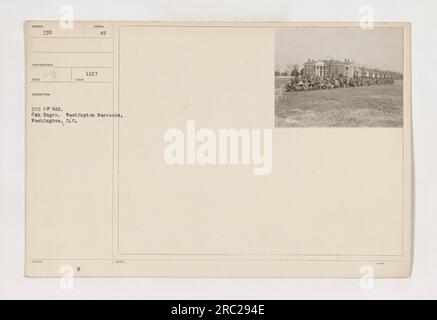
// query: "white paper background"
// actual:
[[420, 13]]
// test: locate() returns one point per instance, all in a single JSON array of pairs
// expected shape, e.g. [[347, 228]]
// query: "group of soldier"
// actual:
[[308, 82]]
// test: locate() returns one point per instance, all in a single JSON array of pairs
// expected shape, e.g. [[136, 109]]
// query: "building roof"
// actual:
[[328, 61]]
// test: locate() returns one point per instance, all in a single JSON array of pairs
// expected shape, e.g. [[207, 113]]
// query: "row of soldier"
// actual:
[[306, 83]]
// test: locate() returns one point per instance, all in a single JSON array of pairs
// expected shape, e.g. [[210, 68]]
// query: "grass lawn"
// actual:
[[374, 106]]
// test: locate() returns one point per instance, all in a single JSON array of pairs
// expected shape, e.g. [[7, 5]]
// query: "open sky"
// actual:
[[378, 48]]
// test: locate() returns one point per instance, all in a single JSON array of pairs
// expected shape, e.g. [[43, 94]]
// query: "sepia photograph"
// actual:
[[338, 77]]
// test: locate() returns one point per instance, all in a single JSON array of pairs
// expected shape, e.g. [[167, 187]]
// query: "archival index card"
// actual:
[[218, 149]]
